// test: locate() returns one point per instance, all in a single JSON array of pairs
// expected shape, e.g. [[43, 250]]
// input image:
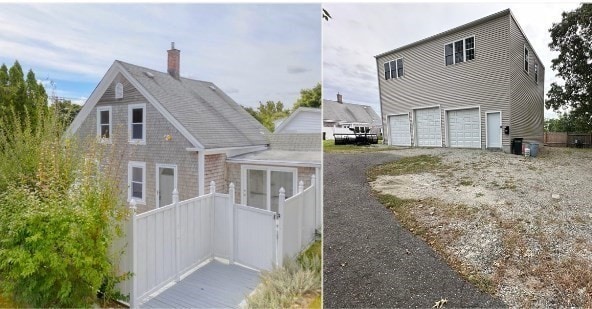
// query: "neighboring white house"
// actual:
[[339, 117], [302, 120]]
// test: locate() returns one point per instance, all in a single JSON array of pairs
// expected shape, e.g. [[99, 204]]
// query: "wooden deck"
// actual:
[[215, 285]]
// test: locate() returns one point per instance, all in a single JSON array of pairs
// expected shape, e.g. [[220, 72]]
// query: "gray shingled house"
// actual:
[[479, 85], [176, 132], [339, 116]]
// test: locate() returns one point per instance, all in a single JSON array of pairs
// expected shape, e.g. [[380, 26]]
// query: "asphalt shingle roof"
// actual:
[[347, 112], [210, 115]]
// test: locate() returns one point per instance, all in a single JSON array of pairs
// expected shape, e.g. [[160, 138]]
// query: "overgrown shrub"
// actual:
[[60, 211]]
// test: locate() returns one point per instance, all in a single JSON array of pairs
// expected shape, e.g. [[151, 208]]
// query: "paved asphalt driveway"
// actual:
[[366, 263]]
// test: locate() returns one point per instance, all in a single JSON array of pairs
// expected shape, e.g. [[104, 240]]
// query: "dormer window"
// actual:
[[137, 123], [119, 91], [104, 122]]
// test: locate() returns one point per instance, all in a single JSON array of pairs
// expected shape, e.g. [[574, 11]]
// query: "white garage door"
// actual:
[[400, 130], [428, 127], [463, 128]]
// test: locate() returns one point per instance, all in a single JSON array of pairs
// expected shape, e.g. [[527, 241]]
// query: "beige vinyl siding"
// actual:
[[428, 81], [527, 97], [156, 150]]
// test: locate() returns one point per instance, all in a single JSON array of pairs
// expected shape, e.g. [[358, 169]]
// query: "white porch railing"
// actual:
[[164, 244]]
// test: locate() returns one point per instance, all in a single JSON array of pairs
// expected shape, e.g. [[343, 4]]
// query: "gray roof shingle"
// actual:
[[347, 112], [210, 115]]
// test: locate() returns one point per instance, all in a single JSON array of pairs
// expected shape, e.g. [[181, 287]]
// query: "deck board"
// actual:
[[214, 285]]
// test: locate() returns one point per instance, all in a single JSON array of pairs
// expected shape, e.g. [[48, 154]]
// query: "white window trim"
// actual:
[[158, 166], [536, 72], [129, 123], [396, 68], [525, 59], [464, 50], [141, 165], [99, 110], [119, 91], [268, 170]]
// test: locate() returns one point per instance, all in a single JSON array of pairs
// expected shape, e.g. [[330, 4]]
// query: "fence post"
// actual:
[[212, 187], [133, 207], [177, 236], [231, 208], [300, 213], [313, 182], [280, 228]]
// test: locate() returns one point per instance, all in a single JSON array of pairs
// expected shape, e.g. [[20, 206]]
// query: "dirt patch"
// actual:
[[522, 224]]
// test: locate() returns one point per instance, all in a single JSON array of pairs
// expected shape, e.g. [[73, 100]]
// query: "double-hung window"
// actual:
[[459, 51], [393, 69], [137, 123], [536, 72], [526, 59], [104, 123], [136, 174]]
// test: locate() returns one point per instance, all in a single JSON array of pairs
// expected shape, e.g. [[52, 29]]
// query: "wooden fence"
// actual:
[[567, 139], [163, 245]]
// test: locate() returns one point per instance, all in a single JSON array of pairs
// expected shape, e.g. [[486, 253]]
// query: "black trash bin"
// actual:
[[517, 146]]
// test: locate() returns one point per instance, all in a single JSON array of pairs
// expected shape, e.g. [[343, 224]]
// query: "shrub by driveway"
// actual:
[[519, 228]]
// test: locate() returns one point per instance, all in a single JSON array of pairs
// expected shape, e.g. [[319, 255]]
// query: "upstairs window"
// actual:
[[137, 123], [119, 91], [393, 69], [525, 59], [536, 72], [459, 51], [104, 123]]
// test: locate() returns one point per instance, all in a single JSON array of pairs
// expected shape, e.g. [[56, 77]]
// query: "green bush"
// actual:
[[60, 212]]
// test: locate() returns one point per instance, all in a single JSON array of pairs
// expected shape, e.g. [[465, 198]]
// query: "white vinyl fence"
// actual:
[[164, 244]]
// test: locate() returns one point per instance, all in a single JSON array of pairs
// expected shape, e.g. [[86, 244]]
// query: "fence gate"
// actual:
[[255, 237]]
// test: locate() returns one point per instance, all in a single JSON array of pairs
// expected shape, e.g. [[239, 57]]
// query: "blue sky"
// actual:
[[254, 52], [358, 32]]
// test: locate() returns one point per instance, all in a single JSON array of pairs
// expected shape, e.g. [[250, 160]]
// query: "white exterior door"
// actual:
[[400, 131], [428, 127], [165, 185], [494, 130], [464, 129]]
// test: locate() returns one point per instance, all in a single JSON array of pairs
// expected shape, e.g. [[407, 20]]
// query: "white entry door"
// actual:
[[399, 130], [494, 130], [166, 183], [428, 127], [464, 130]]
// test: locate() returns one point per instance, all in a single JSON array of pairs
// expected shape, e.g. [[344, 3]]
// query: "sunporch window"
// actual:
[[262, 186]]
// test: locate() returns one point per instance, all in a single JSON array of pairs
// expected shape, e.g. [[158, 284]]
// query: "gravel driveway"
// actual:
[[370, 260], [522, 223]]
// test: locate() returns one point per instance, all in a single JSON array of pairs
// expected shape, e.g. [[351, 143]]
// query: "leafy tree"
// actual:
[[269, 112], [572, 38], [567, 122], [309, 97], [65, 111]]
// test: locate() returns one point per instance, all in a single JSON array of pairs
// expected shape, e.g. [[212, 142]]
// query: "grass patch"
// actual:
[[330, 147], [409, 165], [293, 284]]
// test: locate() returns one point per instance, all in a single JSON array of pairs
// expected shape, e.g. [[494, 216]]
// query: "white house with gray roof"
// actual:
[[338, 117], [175, 132], [479, 85]]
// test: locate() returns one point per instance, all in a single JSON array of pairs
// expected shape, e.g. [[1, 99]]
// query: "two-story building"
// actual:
[[479, 85]]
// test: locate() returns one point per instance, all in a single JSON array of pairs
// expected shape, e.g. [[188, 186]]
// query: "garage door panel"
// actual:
[[400, 130], [428, 127], [463, 128]]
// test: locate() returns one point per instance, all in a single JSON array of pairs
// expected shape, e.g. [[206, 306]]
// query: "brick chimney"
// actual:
[[174, 61], [339, 98]]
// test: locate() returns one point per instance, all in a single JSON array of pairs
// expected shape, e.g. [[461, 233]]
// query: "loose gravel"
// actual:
[[369, 259], [529, 218]]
